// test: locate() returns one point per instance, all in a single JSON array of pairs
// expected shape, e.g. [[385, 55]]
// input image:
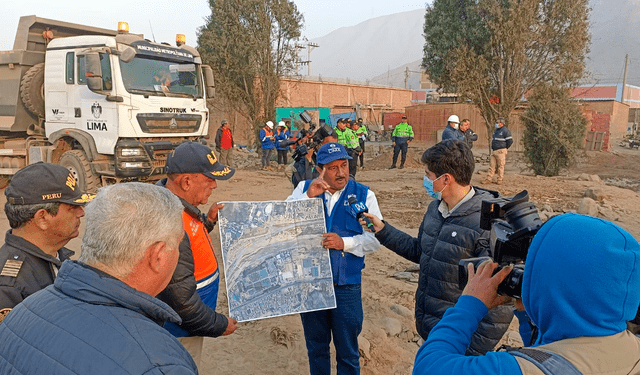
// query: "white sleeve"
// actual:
[[365, 243], [298, 193]]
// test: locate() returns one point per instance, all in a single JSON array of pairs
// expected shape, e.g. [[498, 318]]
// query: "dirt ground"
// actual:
[[276, 346]]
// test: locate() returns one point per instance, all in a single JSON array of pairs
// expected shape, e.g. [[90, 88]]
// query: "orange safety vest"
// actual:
[[204, 259]]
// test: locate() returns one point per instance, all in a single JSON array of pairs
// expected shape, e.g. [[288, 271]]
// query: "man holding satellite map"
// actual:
[[348, 243]]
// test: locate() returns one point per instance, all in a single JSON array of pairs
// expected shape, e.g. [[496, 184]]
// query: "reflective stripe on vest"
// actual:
[[204, 259]]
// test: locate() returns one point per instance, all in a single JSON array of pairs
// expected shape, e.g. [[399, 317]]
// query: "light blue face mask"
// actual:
[[428, 186], [497, 126]]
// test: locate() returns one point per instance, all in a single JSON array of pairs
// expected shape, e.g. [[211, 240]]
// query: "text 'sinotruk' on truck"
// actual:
[[108, 105]]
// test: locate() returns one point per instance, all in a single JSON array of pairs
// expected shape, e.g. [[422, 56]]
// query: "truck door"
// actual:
[[93, 113]]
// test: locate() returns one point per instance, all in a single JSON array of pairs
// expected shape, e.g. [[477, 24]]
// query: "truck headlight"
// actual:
[[132, 152]]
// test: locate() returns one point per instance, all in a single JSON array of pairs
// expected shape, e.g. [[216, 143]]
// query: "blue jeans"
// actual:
[[344, 323]]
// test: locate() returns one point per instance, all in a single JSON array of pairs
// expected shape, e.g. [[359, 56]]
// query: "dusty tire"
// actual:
[[76, 162], [32, 90]]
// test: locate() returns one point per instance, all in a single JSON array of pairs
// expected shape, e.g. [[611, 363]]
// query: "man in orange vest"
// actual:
[[192, 173]]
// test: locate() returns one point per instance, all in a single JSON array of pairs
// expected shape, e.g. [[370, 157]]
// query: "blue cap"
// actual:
[[194, 157], [330, 152]]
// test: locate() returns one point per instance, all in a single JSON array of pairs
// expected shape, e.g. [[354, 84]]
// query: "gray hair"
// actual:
[[123, 220], [20, 214]]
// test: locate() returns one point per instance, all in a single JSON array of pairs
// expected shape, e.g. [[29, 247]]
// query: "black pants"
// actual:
[[396, 150], [362, 154], [353, 162], [282, 156]]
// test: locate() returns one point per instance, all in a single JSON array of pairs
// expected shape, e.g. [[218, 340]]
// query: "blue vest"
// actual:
[[346, 267]]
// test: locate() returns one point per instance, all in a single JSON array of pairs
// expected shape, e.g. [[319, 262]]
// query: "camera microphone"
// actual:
[[360, 208]]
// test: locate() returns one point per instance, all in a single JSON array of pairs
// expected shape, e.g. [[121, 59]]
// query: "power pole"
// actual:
[[624, 80], [406, 77], [310, 47], [298, 47]]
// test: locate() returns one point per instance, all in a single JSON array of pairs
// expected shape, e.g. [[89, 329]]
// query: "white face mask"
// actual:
[[456, 126]]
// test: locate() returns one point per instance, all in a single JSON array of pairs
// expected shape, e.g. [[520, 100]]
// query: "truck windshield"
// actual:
[[161, 77]]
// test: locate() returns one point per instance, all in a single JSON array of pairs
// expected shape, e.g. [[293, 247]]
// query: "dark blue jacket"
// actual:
[[88, 322], [346, 267], [280, 137], [501, 139], [440, 245], [451, 133]]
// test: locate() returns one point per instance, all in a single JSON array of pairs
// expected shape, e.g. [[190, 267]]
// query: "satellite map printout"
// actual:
[[273, 258]]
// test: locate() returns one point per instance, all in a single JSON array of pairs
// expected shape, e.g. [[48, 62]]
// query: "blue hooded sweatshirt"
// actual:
[[582, 278]]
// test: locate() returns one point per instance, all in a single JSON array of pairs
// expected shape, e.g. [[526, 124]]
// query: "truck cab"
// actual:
[[112, 106]]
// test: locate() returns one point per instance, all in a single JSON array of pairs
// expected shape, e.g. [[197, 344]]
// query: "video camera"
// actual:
[[317, 138], [513, 224]]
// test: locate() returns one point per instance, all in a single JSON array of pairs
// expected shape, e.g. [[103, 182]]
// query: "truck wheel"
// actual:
[[76, 162], [32, 89]]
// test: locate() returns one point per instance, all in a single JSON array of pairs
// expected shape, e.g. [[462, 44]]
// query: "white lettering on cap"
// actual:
[[333, 148]]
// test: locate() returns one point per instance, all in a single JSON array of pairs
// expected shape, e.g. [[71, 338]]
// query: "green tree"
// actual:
[[249, 44], [554, 130], [492, 52]]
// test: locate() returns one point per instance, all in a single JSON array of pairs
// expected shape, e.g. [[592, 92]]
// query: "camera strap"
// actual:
[[549, 363]]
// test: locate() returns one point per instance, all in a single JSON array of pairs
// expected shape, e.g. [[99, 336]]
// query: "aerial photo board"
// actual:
[[274, 262]]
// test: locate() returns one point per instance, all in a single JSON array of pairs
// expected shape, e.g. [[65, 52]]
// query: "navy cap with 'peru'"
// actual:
[[194, 157], [45, 183], [330, 152]]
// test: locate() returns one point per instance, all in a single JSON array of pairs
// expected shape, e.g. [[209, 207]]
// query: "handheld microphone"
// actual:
[[360, 208]]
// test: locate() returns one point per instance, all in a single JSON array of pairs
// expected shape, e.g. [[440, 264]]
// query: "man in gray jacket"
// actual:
[[450, 231]]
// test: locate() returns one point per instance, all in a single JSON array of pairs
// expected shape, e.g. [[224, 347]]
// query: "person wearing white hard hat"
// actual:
[[282, 143], [451, 130], [268, 143]]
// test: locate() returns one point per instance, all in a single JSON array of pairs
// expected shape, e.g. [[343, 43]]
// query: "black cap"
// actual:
[[501, 120], [45, 183], [194, 157]]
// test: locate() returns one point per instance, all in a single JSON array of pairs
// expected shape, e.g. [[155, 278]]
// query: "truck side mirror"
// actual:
[[93, 71], [208, 81], [127, 55]]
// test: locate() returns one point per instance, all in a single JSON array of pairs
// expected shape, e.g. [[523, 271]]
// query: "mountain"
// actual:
[[369, 48], [378, 50]]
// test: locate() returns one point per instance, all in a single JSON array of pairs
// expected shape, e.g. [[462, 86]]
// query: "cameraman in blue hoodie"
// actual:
[[580, 287]]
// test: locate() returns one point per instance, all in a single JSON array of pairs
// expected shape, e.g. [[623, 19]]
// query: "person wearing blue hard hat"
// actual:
[[348, 243]]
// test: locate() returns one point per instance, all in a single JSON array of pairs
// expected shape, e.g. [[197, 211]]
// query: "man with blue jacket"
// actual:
[[267, 141], [452, 130], [348, 243], [500, 143], [100, 315], [580, 287]]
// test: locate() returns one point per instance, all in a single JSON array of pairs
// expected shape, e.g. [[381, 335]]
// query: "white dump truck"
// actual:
[[108, 105]]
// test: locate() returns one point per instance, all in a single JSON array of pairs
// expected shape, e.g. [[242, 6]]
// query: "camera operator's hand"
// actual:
[[332, 241], [517, 302], [484, 286], [377, 223], [318, 186]]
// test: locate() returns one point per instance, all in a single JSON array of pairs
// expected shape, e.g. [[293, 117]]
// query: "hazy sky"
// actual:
[[168, 18]]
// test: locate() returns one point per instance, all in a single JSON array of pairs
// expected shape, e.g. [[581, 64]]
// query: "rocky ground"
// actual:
[[602, 184]]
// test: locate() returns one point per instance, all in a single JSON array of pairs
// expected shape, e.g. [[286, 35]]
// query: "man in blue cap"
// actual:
[[192, 173], [348, 243]]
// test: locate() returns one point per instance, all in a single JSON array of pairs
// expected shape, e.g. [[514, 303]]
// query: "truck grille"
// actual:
[[169, 123]]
